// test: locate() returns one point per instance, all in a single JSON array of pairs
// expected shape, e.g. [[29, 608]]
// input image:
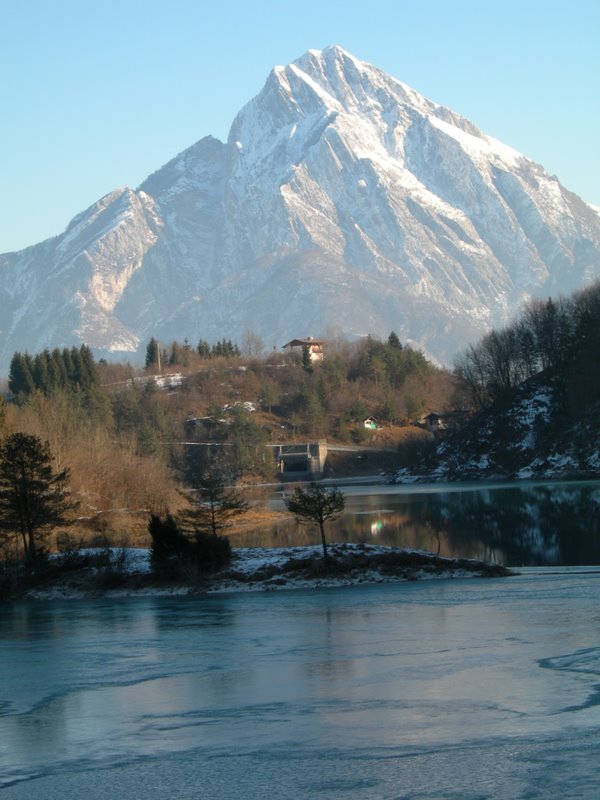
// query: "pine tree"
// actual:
[[316, 504], [33, 498], [79, 377], [20, 376], [58, 376], [64, 369], [214, 506], [41, 376], [394, 341], [152, 354], [170, 547], [90, 370], [175, 356], [203, 348], [225, 349]]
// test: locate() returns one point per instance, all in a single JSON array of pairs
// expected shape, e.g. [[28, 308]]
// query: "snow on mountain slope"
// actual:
[[342, 201]]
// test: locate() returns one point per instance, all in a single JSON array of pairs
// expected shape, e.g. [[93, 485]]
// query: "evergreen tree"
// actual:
[[89, 368], [203, 348], [214, 506], [176, 354], [316, 504], [306, 359], [33, 498], [79, 377], [224, 348], [20, 376], [170, 547], [59, 377], [63, 368], [41, 376], [173, 552], [152, 354], [394, 341]]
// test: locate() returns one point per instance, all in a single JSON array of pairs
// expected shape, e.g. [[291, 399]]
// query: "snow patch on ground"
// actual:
[[254, 569]]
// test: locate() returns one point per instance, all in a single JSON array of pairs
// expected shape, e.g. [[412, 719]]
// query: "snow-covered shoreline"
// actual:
[[255, 569]]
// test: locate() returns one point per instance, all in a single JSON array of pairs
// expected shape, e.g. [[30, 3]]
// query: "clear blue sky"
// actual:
[[99, 95]]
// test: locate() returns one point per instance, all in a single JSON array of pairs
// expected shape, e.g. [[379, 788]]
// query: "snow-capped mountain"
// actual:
[[343, 201]]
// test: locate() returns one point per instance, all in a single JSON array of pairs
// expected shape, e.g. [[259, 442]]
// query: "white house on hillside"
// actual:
[[314, 346]]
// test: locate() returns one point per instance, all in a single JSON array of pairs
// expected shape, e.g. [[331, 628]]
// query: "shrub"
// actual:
[[170, 547], [211, 551], [175, 555]]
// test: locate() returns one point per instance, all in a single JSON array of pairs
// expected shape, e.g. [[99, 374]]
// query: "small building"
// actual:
[[315, 347], [371, 423], [438, 423]]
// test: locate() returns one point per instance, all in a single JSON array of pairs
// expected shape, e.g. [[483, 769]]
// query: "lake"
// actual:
[[515, 524], [480, 688]]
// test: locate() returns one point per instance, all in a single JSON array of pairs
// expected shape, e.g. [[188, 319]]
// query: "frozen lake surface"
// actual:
[[442, 689]]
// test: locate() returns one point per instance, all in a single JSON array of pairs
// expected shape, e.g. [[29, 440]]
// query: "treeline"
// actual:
[[558, 335], [387, 362], [224, 348], [48, 372], [180, 354]]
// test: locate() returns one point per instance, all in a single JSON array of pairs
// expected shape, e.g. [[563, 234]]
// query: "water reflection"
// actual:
[[343, 693], [525, 525], [541, 525]]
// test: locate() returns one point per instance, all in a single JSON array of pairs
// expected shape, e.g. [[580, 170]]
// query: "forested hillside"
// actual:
[[132, 438], [536, 384]]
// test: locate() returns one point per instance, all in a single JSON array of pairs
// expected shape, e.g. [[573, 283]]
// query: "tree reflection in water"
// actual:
[[528, 525]]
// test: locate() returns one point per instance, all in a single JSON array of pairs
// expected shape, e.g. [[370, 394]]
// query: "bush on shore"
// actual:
[[175, 555]]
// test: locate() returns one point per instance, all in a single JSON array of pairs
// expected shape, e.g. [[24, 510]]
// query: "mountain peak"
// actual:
[[331, 54], [342, 200]]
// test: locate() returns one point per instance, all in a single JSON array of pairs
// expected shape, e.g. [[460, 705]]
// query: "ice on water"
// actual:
[[461, 688]]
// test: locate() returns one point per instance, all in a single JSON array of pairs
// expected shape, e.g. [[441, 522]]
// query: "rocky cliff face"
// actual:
[[343, 201]]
